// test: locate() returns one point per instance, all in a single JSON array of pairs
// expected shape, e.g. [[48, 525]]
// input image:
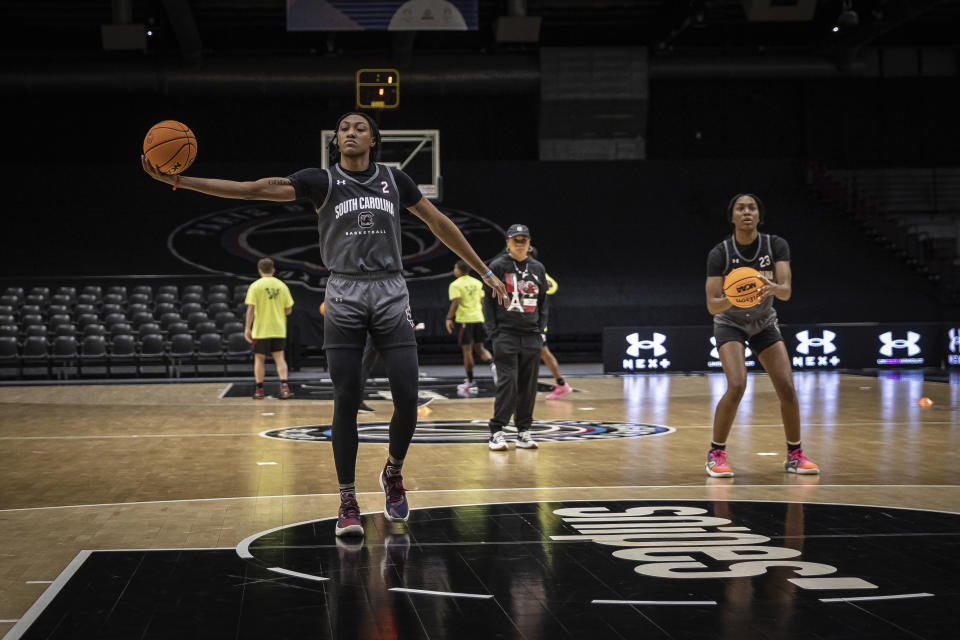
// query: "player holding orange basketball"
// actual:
[[734, 327], [359, 203]]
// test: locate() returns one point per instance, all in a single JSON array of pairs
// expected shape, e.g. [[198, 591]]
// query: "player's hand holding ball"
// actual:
[[169, 148]]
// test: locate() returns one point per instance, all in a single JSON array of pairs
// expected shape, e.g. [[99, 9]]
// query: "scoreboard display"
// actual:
[[809, 347]]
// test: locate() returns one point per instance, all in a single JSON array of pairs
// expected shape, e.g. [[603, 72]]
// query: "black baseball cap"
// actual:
[[518, 230]]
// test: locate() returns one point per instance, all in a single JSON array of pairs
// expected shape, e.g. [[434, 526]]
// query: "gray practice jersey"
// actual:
[[762, 256], [358, 218]]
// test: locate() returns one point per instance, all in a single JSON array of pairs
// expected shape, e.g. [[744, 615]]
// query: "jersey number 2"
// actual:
[[385, 190]]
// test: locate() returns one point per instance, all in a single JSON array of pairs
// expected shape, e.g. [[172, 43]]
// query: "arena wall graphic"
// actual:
[[230, 242]]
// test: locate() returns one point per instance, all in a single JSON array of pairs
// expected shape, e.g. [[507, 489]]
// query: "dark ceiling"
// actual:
[[67, 29]]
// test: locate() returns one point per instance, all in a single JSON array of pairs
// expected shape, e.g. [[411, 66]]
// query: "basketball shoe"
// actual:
[[493, 371], [559, 391], [258, 393], [796, 462], [364, 408], [498, 442], [526, 441], [348, 519], [285, 392], [717, 466], [467, 389], [395, 508]]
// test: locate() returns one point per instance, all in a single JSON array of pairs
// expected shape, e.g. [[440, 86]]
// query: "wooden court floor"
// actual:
[[175, 466]]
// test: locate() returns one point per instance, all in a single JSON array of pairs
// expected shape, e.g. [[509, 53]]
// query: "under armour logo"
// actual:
[[636, 344], [954, 344], [341, 182], [715, 354], [889, 344], [826, 342]]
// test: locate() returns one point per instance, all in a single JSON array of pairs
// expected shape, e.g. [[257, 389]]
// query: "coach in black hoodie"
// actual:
[[516, 330]]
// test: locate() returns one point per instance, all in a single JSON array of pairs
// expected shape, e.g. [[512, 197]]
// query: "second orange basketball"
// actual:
[[170, 146], [742, 287]]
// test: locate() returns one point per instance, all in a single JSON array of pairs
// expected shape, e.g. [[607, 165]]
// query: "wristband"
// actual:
[[487, 274], [176, 182]]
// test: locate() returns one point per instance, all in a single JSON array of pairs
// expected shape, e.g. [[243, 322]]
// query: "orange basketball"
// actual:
[[170, 146], [742, 287], [323, 309]]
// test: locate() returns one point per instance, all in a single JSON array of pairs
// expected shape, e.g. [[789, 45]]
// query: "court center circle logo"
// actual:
[[468, 431], [231, 242]]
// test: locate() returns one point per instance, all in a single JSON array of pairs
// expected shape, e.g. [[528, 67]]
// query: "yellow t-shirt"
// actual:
[[470, 292], [270, 299]]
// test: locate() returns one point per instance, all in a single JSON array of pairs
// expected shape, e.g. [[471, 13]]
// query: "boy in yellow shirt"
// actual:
[[268, 304], [466, 312]]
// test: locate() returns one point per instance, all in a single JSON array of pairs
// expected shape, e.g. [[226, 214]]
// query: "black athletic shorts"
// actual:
[[269, 345], [470, 333], [356, 304], [766, 337]]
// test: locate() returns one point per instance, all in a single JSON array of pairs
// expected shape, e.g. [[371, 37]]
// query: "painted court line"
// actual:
[[901, 596], [296, 574], [448, 594], [46, 597], [657, 602], [505, 489]]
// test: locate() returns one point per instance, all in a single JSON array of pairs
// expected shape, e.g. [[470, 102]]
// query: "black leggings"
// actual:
[[347, 377]]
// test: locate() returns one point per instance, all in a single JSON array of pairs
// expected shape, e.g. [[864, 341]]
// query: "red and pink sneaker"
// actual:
[[796, 462], [717, 466]]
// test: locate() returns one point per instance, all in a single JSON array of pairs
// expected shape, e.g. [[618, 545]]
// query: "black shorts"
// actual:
[[766, 337], [269, 345], [375, 303], [470, 333]]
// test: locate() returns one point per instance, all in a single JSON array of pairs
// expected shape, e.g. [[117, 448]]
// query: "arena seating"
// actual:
[[121, 331]]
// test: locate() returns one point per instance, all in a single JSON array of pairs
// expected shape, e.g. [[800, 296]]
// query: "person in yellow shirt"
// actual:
[[268, 304], [562, 387], [466, 315]]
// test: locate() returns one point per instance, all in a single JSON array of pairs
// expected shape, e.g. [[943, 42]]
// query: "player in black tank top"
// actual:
[[356, 141], [733, 331]]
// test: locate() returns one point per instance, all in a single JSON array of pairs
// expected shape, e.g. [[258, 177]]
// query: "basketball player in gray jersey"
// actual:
[[359, 204], [734, 328]]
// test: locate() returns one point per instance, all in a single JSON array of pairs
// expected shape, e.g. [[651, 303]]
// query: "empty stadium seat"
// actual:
[[209, 350], [31, 318], [7, 319], [114, 298], [237, 351], [58, 319], [36, 330], [9, 300], [196, 318], [70, 292], [111, 319], [59, 298], [168, 289], [117, 290], [30, 310], [232, 327], [94, 290], [142, 290], [149, 328], [219, 288], [169, 298], [54, 309], [193, 288], [34, 353], [191, 297], [84, 319], [139, 298], [81, 308], [64, 356], [65, 330], [217, 307], [133, 308], [223, 318], [181, 352], [94, 329], [112, 307], [164, 308], [16, 292], [9, 353], [153, 351], [215, 297], [190, 307], [9, 330], [93, 353], [123, 351], [142, 318], [86, 298], [121, 328]]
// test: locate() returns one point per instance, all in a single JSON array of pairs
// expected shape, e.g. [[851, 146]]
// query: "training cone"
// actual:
[[924, 402]]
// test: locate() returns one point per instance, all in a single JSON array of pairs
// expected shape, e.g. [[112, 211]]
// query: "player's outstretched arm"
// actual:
[[275, 189], [450, 235]]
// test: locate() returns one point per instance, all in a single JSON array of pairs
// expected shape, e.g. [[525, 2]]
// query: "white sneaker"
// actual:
[[493, 372], [463, 389], [526, 441], [498, 442]]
